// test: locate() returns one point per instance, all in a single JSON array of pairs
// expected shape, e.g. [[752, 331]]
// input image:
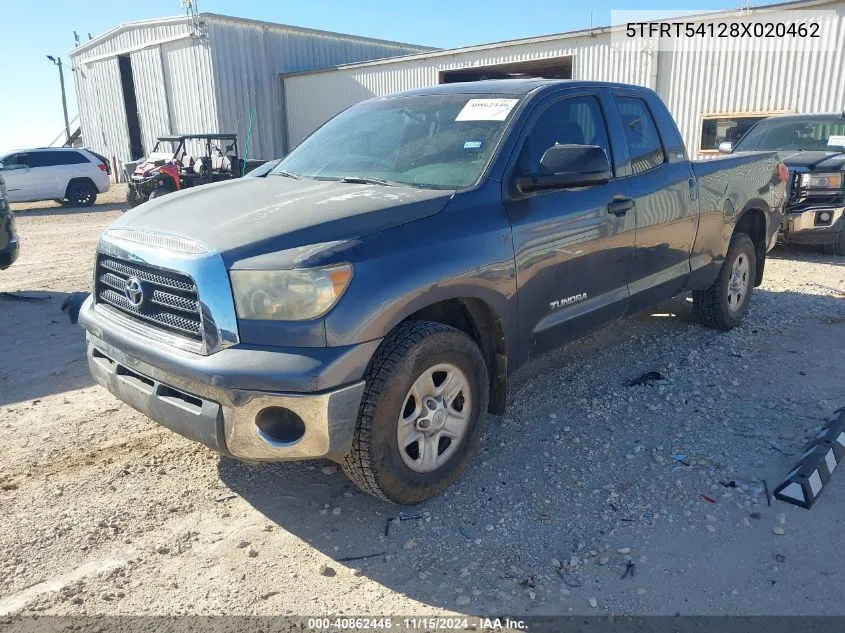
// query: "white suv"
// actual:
[[67, 175]]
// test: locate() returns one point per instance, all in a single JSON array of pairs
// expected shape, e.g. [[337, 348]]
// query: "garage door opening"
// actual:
[[550, 68], [130, 104]]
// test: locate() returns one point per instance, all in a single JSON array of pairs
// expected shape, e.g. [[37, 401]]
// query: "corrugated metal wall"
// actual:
[[99, 91], [733, 79], [247, 58], [101, 110], [189, 85], [186, 85], [314, 98], [151, 95]]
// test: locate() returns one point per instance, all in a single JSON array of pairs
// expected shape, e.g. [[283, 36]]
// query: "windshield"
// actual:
[[431, 141], [817, 134]]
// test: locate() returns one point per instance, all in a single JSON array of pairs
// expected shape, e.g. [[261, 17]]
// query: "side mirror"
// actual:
[[564, 166], [727, 147]]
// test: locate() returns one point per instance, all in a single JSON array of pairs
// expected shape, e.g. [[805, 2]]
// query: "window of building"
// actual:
[[716, 129]]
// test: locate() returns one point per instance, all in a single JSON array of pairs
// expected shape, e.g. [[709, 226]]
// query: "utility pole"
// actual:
[[58, 62]]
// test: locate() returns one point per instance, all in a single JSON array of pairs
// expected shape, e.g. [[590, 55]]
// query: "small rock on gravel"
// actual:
[[327, 571], [781, 518], [778, 530], [328, 470], [604, 560], [251, 552], [462, 601], [594, 603], [624, 550], [410, 544], [336, 511]]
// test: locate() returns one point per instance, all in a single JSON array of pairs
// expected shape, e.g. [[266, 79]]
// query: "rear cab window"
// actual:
[[644, 143]]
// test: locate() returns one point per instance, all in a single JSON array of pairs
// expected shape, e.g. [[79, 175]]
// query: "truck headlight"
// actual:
[[821, 181], [288, 295]]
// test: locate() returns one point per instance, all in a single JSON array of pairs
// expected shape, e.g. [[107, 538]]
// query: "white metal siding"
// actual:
[[314, 98], [101, 110], [189, 85], [247, 58], [132, 37], [153, 111], [733, 79]]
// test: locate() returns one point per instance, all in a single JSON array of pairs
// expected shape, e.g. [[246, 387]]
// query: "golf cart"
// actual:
[[184, 160]]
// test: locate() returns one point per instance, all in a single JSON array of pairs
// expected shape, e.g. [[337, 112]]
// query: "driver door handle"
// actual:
[[620, 205]]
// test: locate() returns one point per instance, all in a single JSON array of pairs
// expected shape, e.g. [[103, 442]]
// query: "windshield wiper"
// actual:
[[287, 174], [361, 180]]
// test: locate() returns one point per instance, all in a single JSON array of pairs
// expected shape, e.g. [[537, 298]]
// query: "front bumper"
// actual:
[[805, 226], [216, 399], [9, 254]]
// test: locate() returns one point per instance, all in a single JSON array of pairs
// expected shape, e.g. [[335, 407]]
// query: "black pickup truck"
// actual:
[[367, 300], [812, 146]]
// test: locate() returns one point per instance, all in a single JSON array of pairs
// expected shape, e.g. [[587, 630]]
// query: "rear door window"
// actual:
[[641, 133], [54, 158]]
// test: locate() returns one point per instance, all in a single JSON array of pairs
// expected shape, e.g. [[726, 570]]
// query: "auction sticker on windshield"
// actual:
[[486, 110], [839, 141]]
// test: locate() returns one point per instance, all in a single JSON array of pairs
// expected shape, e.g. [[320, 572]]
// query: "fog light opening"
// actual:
[[279, 427], [825, 217]]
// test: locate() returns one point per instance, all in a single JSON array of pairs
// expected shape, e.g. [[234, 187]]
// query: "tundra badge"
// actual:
[[562, 303]]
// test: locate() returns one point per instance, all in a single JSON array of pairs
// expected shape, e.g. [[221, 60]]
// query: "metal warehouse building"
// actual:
[[714, 95], [209, 73]]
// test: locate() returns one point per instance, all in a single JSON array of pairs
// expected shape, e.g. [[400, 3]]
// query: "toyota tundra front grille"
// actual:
[[165, 298]]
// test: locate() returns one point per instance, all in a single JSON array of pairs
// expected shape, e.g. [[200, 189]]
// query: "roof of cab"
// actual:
[[517, 87]]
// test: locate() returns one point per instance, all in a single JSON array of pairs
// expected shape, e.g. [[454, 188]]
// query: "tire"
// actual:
[[81, 193], [723, 304], [837, 247], [132, 199], [377, 463], [158, 192]]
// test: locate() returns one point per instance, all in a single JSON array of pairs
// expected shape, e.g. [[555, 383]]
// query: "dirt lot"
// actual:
[[104, 512]]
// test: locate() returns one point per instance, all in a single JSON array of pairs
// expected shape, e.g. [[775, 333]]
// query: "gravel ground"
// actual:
[[104, 512]]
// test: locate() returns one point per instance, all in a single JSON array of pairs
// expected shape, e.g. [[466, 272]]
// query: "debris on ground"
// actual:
[[646, 378]]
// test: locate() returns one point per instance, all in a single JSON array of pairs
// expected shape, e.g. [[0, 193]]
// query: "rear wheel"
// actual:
[[837, 247], [422, 413], [158, 192], [723, 304], [81, 193]]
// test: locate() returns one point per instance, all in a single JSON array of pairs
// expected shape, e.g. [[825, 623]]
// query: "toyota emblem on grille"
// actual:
[[134, 291]]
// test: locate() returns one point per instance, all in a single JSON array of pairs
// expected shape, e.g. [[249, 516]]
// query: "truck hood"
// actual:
[[252, 216], [827, 161]]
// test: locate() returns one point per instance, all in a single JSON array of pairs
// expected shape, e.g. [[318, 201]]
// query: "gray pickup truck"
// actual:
[[368, 299], [812, 146]]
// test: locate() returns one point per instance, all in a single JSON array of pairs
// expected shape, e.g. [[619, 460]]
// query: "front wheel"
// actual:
[[421, 415], [837, 247], [158, 192], [723, 304]]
